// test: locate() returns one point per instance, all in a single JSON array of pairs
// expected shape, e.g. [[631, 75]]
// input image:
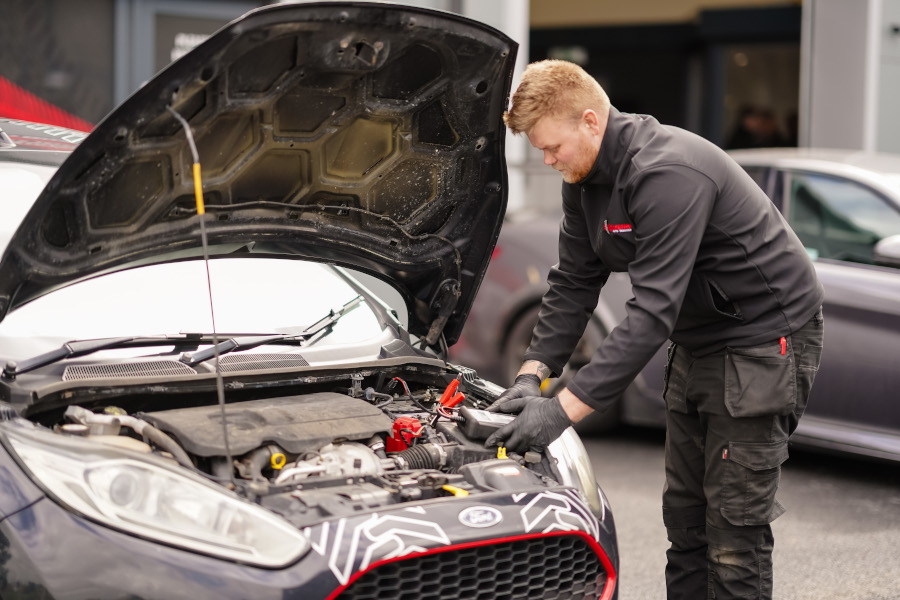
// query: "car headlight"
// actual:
[[575, 470], [147, 497]]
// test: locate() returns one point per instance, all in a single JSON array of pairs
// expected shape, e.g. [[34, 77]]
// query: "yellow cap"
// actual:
[[455, 490], [278, 460]]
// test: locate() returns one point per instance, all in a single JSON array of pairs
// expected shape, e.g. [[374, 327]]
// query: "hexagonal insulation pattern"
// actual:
[[127, 195], [226, 140], [258, 70], [274, 176], [433, 127], [354, 150], [408, 74], [304, 111]]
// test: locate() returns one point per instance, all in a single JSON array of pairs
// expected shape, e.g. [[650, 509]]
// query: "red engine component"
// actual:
[[405, 429]]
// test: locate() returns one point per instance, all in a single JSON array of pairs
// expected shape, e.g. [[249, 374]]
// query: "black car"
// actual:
[[224, 317]]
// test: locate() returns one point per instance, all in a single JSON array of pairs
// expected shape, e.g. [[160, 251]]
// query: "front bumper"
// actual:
[[534, 541]]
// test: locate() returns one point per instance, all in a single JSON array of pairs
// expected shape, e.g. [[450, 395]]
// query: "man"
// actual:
[[715, 268]]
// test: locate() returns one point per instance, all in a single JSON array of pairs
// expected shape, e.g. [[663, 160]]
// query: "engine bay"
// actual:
[[327, 449]]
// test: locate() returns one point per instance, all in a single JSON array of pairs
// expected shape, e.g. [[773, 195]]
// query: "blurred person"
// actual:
[[715, 269], [756, 128]]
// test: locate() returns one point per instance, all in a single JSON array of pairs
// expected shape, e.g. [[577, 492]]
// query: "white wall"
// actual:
[[887, 130], [510, 17], [850, 80]]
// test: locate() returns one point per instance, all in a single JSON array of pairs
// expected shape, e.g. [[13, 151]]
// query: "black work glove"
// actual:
[[526, 384], [540, 421]]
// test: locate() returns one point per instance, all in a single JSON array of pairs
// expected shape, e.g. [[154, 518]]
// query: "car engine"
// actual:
[[330, 452]]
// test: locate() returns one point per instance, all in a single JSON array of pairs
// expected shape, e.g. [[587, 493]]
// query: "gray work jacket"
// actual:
[[712, 261]]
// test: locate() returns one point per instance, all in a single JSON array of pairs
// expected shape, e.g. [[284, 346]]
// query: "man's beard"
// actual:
[[581, 166]]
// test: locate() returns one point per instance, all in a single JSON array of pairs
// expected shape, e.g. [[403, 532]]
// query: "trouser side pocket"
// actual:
[[750, 480]]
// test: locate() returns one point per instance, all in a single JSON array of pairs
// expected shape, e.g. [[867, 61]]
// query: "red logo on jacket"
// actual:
[[622, 228]]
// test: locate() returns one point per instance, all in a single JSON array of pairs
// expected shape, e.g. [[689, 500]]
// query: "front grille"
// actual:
[[549, 567], [250, 362], [155, 368]]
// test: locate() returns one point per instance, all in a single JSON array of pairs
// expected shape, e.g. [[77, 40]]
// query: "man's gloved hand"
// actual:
[[526, 384], [540, 421]]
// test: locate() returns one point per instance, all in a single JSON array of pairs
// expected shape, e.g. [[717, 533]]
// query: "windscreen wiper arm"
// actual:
[[232, 343], [76, 348], [311, 334], [323, 326], [68, 350]]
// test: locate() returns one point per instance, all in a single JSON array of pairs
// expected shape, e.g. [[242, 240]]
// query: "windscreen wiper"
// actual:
[[232, 343], [74, 349], [306, 336], [323, 326]]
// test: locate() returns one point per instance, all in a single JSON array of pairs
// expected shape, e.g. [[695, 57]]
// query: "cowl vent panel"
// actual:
[[252, 362], [156, 368]]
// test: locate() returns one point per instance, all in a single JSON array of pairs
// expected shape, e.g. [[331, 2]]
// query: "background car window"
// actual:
[[839, 219]]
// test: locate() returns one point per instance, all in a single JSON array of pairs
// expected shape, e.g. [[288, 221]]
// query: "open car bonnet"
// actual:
[[367, 135]]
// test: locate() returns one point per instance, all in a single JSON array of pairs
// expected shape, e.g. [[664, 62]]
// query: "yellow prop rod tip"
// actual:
[[198, 190]]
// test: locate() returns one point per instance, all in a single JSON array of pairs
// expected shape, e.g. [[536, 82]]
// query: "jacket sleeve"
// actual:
[[574, 287], [670, 208]]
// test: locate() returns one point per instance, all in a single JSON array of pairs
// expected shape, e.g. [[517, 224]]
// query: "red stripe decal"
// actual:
[[598, 550]]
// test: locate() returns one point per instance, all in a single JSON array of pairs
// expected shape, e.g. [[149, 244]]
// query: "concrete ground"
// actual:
[[840, 536]]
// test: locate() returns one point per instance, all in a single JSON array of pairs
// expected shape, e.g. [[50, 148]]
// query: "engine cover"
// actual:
[[296, 423]]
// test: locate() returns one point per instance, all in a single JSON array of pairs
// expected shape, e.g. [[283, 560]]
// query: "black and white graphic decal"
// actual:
[[353, 547], [556, 511]]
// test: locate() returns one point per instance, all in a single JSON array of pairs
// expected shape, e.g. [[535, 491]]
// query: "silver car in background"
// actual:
[[844, 206]]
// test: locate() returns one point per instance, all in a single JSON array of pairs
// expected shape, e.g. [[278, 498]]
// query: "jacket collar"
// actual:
[[616, 138]]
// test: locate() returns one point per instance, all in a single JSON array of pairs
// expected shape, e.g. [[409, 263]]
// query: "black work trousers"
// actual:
[[729, 416]]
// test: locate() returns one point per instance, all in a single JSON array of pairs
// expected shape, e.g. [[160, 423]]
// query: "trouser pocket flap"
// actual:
[[756, 456]]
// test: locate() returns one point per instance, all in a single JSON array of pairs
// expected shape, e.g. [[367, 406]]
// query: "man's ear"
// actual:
[[592, 120]]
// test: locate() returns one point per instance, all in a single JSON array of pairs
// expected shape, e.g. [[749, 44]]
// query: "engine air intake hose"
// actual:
[[421, 456]]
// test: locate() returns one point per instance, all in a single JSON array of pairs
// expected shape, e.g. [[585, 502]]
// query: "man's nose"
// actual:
[[548, 158]]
